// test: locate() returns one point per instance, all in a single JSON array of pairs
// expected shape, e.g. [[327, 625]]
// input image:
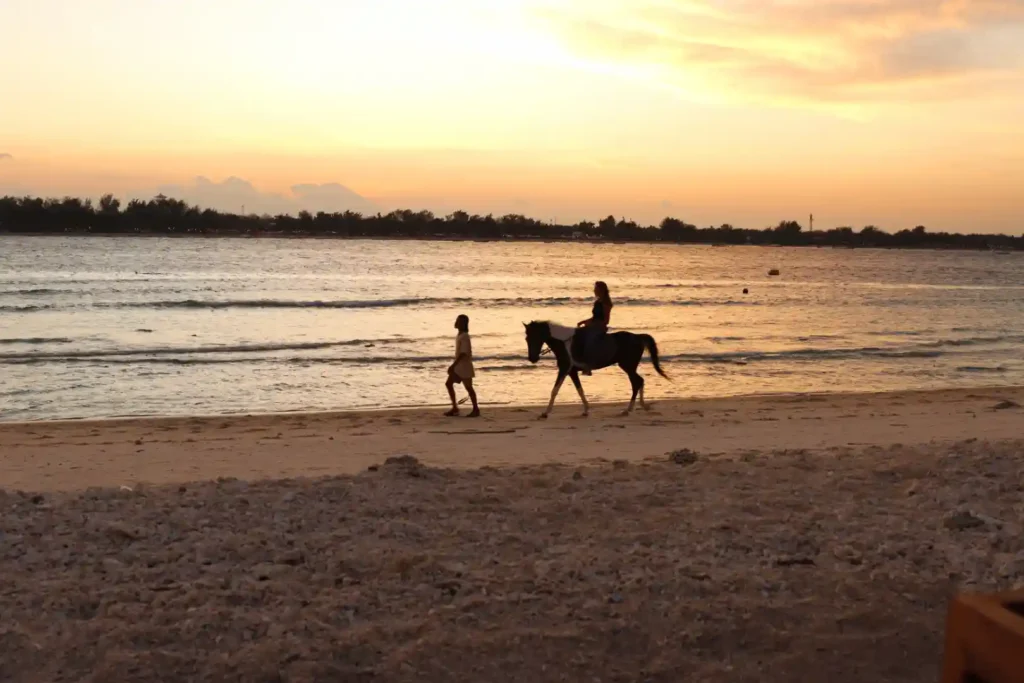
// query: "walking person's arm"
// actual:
[[464, 352]]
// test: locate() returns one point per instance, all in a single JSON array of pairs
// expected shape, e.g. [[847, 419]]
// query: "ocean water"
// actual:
[[97, 327]]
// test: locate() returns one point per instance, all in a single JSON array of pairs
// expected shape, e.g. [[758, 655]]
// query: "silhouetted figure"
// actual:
[[461, 370], [594, 327]]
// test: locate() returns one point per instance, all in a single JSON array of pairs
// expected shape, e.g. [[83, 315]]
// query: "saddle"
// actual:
[[598, 351]]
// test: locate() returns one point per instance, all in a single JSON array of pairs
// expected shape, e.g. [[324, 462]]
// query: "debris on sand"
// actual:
[[402, 461], [120, 531], [404, 464], [963, 520], [684, 456], [1005, 405]]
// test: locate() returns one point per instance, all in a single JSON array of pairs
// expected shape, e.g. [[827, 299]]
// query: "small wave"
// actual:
[[980, 368], [24, 309], [405, 361], [805, 354], [522, 302], [393, 303], [35, 340], [37, 291], [196, 350], [902, 333], [281, 303], [975, 341], [257, 354]]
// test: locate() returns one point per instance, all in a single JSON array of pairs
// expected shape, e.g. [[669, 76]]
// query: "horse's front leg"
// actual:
[[575, 377], [554, 392]]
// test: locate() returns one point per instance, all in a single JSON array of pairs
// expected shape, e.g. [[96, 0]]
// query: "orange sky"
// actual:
[[891, 112]]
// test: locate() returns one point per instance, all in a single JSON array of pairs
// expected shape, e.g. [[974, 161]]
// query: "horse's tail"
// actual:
[[652, 347]]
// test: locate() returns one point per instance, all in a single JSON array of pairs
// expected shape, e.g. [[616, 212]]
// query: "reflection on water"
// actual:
[[98, 326]]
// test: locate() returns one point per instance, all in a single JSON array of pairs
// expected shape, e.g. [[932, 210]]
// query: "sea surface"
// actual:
[[100, 327]]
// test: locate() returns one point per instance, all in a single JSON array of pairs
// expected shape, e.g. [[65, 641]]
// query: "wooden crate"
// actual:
[[985, 639]]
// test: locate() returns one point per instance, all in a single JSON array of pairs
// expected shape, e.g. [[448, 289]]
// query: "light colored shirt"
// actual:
[[464, 367]]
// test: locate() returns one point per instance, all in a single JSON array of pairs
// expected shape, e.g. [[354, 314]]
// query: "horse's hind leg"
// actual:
[[637, 382], [575, 377], [638, 389], [644, 405]]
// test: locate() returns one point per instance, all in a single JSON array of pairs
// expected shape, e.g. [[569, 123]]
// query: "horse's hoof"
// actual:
[[586, 413], [624, 413], [543, 416]]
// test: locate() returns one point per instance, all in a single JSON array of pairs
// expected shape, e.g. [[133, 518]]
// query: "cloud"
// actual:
[[824, 51], [331, 197], [234, 193], [4, 156]]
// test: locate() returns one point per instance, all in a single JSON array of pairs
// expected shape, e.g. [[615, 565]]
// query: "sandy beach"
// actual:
[[53, 456], [796, 538]]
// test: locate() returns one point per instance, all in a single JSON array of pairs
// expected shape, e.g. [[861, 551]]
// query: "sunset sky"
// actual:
[[886, 112]]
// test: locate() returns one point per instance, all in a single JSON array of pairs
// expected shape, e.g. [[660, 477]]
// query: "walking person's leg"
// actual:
[[450, 386], [472, 397]]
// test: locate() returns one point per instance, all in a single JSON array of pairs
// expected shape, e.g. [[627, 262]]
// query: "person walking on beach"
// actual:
[[461, 371]]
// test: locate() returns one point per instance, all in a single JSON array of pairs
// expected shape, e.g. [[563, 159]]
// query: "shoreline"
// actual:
[[541, 239], [560, 407], [78, 454]]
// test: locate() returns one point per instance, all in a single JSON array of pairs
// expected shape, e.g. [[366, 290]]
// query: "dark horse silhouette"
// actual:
[[624, 349]]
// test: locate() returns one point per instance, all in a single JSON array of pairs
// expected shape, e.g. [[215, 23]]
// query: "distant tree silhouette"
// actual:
[[168, 216]]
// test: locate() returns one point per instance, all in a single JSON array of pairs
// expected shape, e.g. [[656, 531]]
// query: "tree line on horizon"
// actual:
[[167, 216]]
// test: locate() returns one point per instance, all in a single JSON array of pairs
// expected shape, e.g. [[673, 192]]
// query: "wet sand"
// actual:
[[802, 538], [47, 456]]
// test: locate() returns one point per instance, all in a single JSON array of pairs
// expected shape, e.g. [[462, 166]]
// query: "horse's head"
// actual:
[[537, 334]]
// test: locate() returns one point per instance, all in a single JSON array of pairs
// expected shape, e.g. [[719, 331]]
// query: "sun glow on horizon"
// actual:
[[874, 110]]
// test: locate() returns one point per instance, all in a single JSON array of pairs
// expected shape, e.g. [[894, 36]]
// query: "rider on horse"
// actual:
[[593, 329]]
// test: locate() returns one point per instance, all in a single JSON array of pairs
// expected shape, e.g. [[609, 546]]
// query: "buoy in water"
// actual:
[[744, 290]]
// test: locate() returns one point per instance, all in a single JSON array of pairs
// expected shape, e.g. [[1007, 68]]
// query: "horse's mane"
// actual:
[[560, 332]]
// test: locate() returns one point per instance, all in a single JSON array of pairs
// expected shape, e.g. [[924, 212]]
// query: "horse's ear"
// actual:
[[526, 326]]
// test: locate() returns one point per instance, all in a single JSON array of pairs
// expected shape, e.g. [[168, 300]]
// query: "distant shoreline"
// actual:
[[527, 239], [168, 216]]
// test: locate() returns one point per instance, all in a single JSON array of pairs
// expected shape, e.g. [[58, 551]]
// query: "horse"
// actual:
[[624, 349]]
